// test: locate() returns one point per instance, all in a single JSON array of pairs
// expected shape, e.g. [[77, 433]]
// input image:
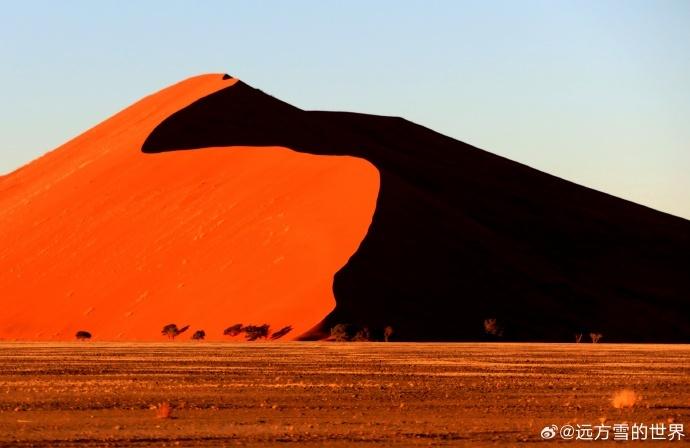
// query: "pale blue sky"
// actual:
[[597, 92]]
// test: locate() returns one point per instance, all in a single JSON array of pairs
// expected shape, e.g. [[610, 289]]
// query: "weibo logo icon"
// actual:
[[549, 432]]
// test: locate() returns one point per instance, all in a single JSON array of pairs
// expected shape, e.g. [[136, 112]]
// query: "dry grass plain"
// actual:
[[329, 394]]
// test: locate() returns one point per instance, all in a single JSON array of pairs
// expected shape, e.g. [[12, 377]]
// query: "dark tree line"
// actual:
[[355, 333], [256, 332], [251, 332]]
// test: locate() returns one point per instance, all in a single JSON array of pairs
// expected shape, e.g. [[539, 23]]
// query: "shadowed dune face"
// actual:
[[98, 236], [461, 235]]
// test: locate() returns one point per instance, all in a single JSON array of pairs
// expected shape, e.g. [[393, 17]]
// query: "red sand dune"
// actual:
[[98, 236], [461, 237], [188, 207]]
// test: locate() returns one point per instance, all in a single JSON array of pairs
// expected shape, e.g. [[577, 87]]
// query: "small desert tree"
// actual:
[[233, 330], [83, 335], [339, 333], [578, 338], [387, 333], [254, 332], [199, 335], [595, 337], [362, 335], [171, 331], [492, 328], [280, 333]]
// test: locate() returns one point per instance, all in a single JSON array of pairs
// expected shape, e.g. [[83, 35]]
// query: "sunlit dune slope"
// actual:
[[98, 236]]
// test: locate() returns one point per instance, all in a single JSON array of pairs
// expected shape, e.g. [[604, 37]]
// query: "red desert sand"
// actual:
[[98, 236]]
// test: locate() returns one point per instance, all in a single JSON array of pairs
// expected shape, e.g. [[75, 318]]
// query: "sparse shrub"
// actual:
[[625, 398], [164, 410], [280, 333], [339, 333], [595, 337], [387, 333], [254, 332], [362, 335], [578, 338], [171, 331], [492, 328], [199, 335], [233, 330], [83, 335]]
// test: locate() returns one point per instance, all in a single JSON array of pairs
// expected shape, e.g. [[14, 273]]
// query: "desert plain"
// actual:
[[331, 394]]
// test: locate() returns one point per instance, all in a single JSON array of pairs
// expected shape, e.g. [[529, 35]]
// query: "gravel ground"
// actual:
[[332, 394]]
